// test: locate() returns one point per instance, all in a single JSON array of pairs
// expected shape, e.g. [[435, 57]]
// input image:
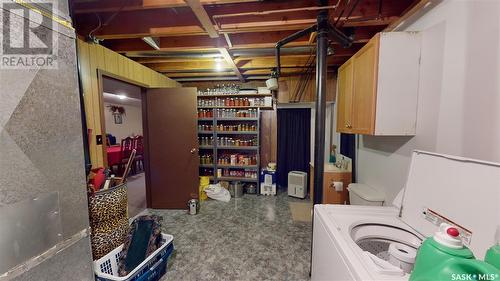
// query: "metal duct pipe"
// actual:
[[270, 51], [319, 126], [339, 36], [287, 40]]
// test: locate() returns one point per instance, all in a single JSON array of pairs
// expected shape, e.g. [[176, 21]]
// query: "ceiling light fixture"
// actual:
[[218, 64], [154, 42], [122, 97]]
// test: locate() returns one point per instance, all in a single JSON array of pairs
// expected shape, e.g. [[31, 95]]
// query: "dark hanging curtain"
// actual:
[[348, 148], [294, 141]]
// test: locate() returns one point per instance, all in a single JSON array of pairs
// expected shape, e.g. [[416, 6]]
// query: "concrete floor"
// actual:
[[249, 238]]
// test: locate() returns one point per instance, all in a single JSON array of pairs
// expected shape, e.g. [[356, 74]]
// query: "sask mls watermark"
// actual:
[[28, 37]]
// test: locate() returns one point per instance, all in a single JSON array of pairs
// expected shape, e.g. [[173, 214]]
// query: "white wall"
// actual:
[[459, 97], [131, 125]]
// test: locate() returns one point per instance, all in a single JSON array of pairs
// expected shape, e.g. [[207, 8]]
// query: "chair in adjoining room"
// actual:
[[139, 157], [127, 144]]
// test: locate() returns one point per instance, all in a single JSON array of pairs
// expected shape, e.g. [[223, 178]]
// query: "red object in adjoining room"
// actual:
[[98, 179], [114, 155]]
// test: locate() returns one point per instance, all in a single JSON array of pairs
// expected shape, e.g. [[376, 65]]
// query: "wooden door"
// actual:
[[365, 63], [172, 147], [344, 99]]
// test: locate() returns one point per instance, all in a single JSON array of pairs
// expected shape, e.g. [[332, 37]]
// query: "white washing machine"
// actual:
[[380, 242]]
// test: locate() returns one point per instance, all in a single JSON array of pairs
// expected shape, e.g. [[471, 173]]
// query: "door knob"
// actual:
[[193, 150]]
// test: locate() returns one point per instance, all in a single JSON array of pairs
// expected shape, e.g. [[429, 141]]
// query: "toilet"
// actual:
[[362, 194]]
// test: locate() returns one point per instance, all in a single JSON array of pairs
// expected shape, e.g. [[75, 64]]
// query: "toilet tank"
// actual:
[[362, 194]]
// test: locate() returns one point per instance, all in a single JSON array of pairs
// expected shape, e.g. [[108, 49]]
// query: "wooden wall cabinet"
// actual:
[[378, 87]]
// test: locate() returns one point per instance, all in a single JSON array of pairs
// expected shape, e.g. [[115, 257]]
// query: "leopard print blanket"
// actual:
[[108, 220]]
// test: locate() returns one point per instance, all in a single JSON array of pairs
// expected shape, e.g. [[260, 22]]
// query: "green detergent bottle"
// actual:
[[493, 254], [444, 257]]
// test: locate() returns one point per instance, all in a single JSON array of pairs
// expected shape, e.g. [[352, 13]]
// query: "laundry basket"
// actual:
[[151, 269]]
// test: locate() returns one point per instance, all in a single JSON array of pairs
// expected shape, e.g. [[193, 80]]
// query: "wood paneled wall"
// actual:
[[93, 57], [288, 86]]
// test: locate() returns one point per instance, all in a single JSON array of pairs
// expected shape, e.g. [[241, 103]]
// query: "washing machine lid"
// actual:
[[461, 191]]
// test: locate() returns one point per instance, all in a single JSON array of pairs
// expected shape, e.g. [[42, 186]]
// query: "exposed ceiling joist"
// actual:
[[229, 60], [228, 40], [203, 17], [239, 41], [118, 5], [248, 27], [194, 34]]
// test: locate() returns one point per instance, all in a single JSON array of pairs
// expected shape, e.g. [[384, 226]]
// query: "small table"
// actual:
[[114, 155]]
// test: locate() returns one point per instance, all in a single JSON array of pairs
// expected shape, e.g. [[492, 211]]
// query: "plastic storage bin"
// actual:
[[151, 269]]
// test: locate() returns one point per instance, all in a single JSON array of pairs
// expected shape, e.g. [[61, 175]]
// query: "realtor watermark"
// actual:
[[28, 35], [474, 277]]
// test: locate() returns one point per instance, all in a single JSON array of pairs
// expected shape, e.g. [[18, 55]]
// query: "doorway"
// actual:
[[294, 141], [166, 177], [123, 119]]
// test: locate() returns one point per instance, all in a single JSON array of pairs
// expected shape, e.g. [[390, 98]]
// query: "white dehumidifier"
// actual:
[[297, 184]]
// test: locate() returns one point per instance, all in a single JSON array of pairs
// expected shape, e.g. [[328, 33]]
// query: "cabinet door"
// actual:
[[365, 63], [344, 97]]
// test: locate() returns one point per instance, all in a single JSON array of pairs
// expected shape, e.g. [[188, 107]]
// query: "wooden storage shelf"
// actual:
[[236, 107], [238, 166], [206, 146], [378, 87], [237, 179], [238, 147], [217, 150], [237, 118], [236, 96], [237, 132]]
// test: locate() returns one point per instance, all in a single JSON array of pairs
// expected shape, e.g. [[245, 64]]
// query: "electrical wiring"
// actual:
[[354, 7], [305, 77], [99, 25], [108, 21]]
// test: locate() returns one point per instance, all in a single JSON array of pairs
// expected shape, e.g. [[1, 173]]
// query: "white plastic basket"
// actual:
[[106, 268]]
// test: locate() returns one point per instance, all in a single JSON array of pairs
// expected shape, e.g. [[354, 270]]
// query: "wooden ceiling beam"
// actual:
[[239, 41], [193, 43], [198, 74], [203, 18], [174, 31], [139, 5], [240, 64], [340, 52], [230, 61], [370, 9], [366, 9], [182, 21], [246, 73]]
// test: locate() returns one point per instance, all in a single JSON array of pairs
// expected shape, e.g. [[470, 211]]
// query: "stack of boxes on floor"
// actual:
[[268, 180]]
